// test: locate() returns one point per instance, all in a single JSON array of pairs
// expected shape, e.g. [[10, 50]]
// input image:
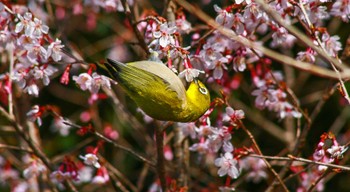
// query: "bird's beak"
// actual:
[[195, 80]]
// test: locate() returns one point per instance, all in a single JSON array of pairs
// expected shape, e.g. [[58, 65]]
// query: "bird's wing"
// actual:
[[169, 78], [151, 80]]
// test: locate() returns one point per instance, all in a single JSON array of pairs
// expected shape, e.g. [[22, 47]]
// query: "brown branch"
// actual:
[[160, 157], [16, 148]]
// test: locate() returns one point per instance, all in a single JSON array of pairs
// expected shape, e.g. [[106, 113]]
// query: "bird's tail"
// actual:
[[110, 68]]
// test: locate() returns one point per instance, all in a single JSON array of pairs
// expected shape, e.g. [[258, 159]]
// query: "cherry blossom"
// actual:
[[35, 114], [91, 159], [39, 28], [164, 35], [331, 44], [25, 23], [220, 137], [35, 168], [256, 169], [228, 165], [84, 80], [188, 129], [341, 8], [54, 50], [99, 81], [233, 115], [190, 74], [101, 177], [59, 176], [307, 56], [224, 18]]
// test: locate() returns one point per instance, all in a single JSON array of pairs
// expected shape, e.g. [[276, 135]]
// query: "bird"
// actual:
[[158, 91]]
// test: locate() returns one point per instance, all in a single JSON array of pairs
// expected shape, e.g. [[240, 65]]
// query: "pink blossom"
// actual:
[[188, 129], [110, 133], [241, 1], [224, 18], [228, 165], [84, 80], [282, 38], [331, 44], [99, 81], [165, 34], [43, 72], [233, 115], [168, 153], [8, 173], [91, 159], [59, 125], [239, 63], [183, 25], [255, 167], [35, 114], [34, 169], [59, 176], [190, 74], [54, 50], [25, 23], [21, 187], [220, 137], [101, 177], [341, 8], [19, 77], [39, 28], [32, 89], [201, 147], [336, 152], [35, 52], [218, 66], [307, 56], [204, 130], [85, 174]]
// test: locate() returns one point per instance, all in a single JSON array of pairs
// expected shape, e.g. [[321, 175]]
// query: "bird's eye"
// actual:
[[203, 90]]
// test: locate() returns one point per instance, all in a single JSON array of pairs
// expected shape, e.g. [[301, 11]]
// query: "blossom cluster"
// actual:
[[327, 150], [269, 94], [29, 47], [214, 139]]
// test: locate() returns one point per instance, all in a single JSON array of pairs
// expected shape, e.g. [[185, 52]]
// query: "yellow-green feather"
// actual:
[[159, 92]]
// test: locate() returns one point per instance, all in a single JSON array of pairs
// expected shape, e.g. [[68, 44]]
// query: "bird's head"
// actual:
[[199, 95]]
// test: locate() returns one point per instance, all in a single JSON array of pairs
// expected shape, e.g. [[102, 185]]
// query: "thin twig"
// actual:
[[292, 158], [16, 148], [12, 62], [67, 122], [256, 146], [314, 184], [122, 178]]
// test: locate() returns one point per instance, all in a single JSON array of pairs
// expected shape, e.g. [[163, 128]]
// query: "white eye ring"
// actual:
[[203, 90]]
